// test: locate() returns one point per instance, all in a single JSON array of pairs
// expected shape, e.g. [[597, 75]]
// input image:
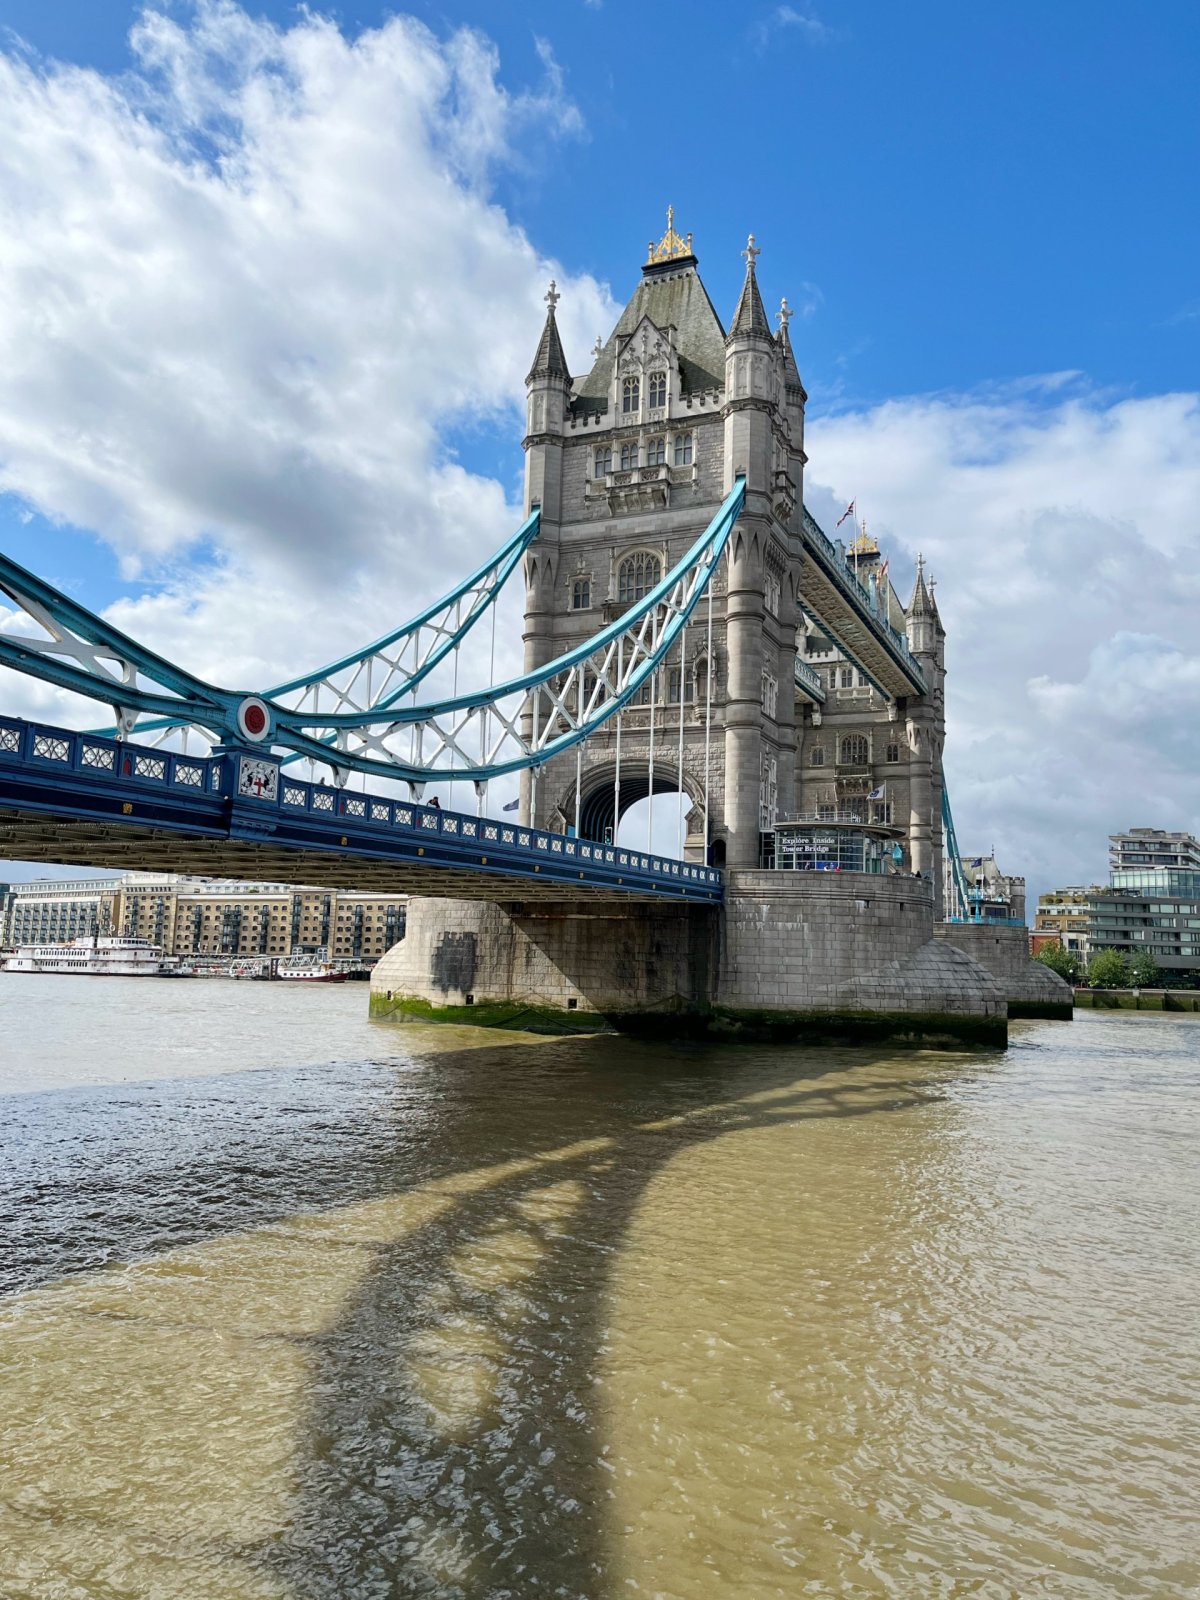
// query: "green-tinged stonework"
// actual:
[[1142, 1000], [918, 1030]]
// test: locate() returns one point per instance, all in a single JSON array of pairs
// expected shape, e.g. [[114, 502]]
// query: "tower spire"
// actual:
[[549, 360], [750, 316]]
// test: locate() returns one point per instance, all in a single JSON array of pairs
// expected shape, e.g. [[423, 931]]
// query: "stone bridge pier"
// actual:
[[791, 955]]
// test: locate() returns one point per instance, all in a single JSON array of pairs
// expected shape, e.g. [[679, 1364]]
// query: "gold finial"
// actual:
[[864, 545], [670, 247]]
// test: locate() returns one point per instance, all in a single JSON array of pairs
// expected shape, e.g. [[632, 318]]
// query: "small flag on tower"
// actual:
[[513, 805], [849, 512], [877, 794]]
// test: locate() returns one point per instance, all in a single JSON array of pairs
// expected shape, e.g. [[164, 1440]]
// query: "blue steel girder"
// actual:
[[494, 731], [380, 673], [833, 595], [956, 867], [71, 796]]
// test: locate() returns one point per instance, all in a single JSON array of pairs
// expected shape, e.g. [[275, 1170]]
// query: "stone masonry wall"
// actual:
[[794, 939], [1004, 951], [641, 959]]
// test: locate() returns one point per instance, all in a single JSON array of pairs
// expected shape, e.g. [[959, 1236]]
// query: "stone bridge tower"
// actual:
[[628, 465]]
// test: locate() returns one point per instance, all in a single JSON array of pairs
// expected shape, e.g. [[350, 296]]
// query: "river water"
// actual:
[[300, 1307]]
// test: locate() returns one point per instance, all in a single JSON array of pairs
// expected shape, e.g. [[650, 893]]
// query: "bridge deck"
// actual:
[[76, 797], [833, 595]]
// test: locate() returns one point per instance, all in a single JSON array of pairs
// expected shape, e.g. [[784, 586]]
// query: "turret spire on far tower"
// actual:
[[751, 315], [549, 361]]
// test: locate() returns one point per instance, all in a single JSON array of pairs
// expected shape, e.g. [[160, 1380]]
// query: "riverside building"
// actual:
[[203, 916], [1150, 906]]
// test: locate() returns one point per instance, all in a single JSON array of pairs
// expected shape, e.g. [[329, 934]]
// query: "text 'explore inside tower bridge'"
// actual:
[[690, 634]]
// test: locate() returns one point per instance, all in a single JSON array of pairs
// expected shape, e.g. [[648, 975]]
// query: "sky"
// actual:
[[270, 280]]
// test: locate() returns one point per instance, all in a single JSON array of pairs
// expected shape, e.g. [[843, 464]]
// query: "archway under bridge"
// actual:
[[598, 818]]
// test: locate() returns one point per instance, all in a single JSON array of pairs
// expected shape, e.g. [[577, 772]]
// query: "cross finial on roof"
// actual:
[[552, 295], [597, 348], [785, 314], [920, 564], [751, 252]]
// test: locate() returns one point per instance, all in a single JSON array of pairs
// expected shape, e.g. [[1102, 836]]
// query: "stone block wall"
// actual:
[[1030, 987], [614, 962], [794, 939]]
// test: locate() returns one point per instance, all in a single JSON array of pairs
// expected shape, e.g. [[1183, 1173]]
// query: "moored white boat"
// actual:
[[309, 969], [105, 955]]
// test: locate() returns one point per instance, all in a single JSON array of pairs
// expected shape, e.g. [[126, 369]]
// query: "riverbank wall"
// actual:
[[1138, 999]]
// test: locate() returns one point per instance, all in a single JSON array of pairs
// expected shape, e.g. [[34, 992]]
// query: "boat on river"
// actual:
[[310, 969], [103, 955]]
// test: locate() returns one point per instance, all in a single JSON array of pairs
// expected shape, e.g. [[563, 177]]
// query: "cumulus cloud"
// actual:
[[248, 290], [1062, 526]]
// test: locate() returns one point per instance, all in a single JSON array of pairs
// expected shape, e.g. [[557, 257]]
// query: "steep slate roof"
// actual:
[[921, 604], [751, 315], [549, 361], [671, 295]]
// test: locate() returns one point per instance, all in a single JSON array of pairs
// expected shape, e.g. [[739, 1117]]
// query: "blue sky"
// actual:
[[988, 219]]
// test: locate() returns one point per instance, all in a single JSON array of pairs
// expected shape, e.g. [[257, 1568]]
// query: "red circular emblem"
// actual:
[[255, 719]]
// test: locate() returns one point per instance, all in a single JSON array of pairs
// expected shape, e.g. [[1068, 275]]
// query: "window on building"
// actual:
[[637, 575], [772, 593], [863, 681], [892, 754], [629, 456], [657, 390], [631, 394], [855, 750], [674, 679], [603, 461], [816, 756], [683, 449], [770, 694], [581, 594], [656, 452], [700, 678], [768, 793], [846, 677]]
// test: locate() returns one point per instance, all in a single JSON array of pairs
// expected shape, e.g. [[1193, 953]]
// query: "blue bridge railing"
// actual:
[[238, 794]]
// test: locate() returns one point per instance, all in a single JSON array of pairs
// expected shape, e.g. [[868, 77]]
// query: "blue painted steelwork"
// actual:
[[808, 681], [58, 774], [549, 711], [956, 866], [448, 621]]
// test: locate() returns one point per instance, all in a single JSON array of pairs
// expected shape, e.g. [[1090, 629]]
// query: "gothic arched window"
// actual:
[[603, 460], [631, 394], [816, 756], [656, 452], [683, 449], [637, 575], [629, 456], [892, 754], [855, 750], [657, 390], [581, 594]]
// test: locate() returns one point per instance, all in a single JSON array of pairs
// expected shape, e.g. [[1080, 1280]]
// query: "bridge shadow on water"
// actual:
[[457, 1441]]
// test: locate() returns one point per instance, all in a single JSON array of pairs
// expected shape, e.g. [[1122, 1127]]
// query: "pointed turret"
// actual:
[[921, 604], [549, 361], [791, 372], [751, 315]]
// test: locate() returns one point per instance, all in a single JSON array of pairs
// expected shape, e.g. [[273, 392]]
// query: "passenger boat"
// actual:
[[310, 969], [106, 955]]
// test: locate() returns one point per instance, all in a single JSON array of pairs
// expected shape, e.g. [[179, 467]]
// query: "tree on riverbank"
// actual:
[[1109, 969], [1064, 962]]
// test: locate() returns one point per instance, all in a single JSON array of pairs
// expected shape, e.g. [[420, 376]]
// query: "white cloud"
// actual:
[[246, 290], [1063, 528]]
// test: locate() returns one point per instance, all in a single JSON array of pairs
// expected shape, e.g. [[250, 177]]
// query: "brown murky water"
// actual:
[[423, 1313]]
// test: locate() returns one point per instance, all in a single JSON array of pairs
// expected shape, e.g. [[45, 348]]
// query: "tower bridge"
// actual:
[[690, 631]]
